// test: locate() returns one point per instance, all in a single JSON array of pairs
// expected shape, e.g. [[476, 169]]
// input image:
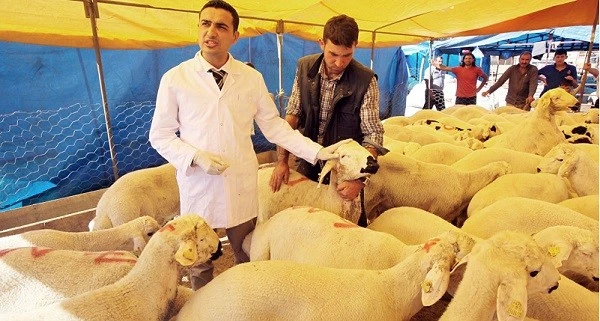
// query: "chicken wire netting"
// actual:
[[49, 154]]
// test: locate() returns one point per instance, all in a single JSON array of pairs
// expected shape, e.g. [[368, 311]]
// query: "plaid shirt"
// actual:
[[370, 123]]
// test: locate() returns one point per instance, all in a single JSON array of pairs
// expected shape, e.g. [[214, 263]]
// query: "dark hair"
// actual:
[[560, 52], [248, 63], [462, 61], [565, 82], [220, 4], [341, 30], [526, 53]]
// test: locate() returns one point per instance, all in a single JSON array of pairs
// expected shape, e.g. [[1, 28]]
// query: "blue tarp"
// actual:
[[52, 121]]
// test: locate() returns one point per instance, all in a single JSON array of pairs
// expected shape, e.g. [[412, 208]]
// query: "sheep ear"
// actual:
[[559, 252], [567, 166], [435, 284], [187, 254], [138, 244], [511, 302], [326, 169], [462, 261]]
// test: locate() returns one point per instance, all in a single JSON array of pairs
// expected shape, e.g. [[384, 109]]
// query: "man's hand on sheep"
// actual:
[[327, 153], [349, 190], [280, 175], [211, 164]]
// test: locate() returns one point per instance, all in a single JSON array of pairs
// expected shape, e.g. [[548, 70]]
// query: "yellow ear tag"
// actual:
[[515, 309], [426, 286], [553, 250]]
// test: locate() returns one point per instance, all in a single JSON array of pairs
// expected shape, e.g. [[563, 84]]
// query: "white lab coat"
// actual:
[[219, 122]]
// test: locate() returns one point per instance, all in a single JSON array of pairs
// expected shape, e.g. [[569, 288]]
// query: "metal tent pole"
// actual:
[[280, 31], [91, 11]]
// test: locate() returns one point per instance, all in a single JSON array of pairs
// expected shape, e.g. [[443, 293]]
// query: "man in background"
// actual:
[[522, 83], [466, 79], [434, 83], [553, 75]]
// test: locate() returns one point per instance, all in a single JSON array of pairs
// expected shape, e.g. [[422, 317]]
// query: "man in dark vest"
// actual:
[[334, 97]]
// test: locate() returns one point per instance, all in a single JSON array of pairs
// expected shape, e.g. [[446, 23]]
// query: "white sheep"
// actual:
[[149, 290], [541, 186], [524, 215], [465, 113], [538, 133], [354, 162], [520, 162], [571, 249], [586, 205], [509, 110], [569, 302], [394, 145], [137, 231], [501, 273], [573, 164], [425, 135], [145, 192], [36, 276], [317, 237], [411, 225], [590, 149], [439, 189], [590, 131], [283, 290], [439, 153]]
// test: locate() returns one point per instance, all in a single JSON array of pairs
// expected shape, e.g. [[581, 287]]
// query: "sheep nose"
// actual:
[[372, 166], [595, 278], [553, 288], [538, 170]]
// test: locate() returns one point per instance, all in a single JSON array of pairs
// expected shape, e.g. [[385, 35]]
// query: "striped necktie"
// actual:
[[219, 76]]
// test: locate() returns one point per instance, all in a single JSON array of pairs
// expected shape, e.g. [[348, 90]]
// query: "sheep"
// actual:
[[500, 274], [439, 189], [520, 162], [569, 302], [574, 165], [509, 110], [525, 215], [538, 133], [545, 187], [439, 153], [354, 162], [578, 130], [591, 117], [36, 276], [425, 135], [465, 113], [139, 231], [140, 295], [283, 290], [394, 145], [411, 225], [398, 120], [590, 149], [571, 249], [317, 237], [586, 205], [145, 192]]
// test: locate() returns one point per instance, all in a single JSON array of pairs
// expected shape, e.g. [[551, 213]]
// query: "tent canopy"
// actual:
[[150, 24], [513, 43]]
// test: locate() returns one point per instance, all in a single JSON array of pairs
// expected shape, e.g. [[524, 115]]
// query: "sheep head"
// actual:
[[560, 159], [555, 100], [517, 266], [572, 248], [354, 162], [442, 254], [145, 227], [197, 240]]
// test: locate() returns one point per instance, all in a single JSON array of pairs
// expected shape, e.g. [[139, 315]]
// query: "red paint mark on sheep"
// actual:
[[6, 251], [344, 225], [104, 258], [314, 210], [427, 246], [168, 227], [299, 180], [38, 252]]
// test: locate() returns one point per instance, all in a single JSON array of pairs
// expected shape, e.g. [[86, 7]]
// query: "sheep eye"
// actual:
[[150, 234], [559, 159], [533, 273]]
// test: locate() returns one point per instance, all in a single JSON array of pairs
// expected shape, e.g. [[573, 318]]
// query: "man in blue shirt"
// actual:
[[553, 75]]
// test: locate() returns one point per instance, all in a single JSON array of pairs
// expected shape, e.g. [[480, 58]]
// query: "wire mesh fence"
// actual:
[[49, 154]]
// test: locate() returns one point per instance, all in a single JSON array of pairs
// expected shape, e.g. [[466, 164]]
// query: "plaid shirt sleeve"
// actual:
[[293, 106], [369, 113]]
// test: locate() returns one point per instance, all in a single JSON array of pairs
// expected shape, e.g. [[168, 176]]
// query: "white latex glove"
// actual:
[[211, 164], [328, 152]]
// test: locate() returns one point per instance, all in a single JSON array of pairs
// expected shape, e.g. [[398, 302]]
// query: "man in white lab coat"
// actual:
[[213, 153]]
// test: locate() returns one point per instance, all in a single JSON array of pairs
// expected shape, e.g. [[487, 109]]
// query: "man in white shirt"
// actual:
[[212, 100], [434, 86]]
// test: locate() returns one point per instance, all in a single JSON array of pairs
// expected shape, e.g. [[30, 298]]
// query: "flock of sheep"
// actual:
[[474, 215]]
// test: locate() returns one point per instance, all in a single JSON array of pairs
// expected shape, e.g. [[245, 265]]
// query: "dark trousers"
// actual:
[[434, 97], [466, 100]]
